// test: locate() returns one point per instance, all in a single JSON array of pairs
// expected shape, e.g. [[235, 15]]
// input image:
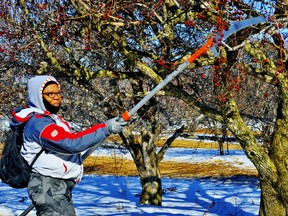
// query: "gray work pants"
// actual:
[[51, 196]]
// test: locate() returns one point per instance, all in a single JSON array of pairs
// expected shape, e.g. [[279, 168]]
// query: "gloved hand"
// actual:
[[115, 125]]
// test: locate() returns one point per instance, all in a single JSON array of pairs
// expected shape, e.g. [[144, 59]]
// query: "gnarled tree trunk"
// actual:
[[274, 199], [143, 152], [270, 161], [149, 173]]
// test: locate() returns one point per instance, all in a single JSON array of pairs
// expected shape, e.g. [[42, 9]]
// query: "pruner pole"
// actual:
[[127, 114]]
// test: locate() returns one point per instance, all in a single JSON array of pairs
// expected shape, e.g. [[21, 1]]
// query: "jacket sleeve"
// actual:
[[53, 137]]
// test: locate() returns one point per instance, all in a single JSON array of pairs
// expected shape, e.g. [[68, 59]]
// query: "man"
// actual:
[[49, 139]]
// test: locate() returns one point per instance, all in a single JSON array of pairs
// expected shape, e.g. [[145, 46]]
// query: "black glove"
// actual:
[[115, 125]]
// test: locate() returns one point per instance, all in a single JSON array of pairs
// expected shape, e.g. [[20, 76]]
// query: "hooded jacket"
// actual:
[[62, 155]]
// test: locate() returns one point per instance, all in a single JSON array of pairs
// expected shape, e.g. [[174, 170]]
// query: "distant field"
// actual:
[[118, 166], [188, 143], [197, 144]]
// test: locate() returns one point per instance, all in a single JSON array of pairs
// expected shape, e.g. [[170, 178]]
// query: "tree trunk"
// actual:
[[150, 177], [151, 191], [271, 162], [271, 203], [144, 155], [223, 137], [274, 199], [221, 147]]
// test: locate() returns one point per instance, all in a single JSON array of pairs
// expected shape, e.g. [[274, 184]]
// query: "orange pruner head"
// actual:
[[126, 116]]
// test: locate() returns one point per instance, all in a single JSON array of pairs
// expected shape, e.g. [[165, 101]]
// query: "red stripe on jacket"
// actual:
[[54, 132]]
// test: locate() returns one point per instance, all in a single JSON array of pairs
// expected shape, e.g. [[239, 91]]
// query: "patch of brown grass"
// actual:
[[122, 167]]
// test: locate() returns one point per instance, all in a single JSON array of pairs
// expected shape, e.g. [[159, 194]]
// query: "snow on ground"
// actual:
[[112, 195]]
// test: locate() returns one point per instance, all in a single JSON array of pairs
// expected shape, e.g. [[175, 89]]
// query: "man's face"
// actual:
[[52, 95]]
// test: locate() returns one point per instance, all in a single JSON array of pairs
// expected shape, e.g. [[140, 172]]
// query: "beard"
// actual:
[[51, 108]]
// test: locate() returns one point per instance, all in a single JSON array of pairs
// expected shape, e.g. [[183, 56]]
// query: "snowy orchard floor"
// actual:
[[112, 195]]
